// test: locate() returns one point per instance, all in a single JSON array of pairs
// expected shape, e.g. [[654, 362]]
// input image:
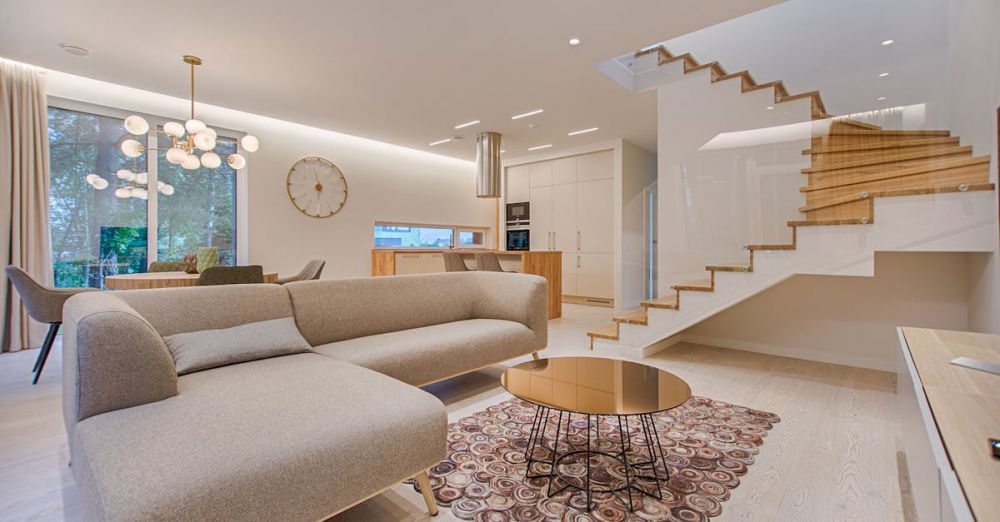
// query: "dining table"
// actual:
[[147, 280]]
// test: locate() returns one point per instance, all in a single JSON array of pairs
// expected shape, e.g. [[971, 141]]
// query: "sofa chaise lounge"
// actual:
[[300, 436]]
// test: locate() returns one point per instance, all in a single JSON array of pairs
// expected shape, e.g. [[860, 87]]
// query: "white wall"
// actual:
[[847, 320], [713, 201], [972, 97], [385, 182]]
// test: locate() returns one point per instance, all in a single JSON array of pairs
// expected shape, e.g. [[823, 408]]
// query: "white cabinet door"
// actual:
[[594, 166], [517, 184], [540, 174], [564, 170], [569, 273], [433, 263], [540, 201], [595, 275], [564, 211], [594, 216], [410, 264]]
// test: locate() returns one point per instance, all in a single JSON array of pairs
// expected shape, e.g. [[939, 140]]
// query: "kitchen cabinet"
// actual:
[[407, 264], [540, 174], [540, 201], [594, 216], [595, 166], [595, 275], [564, 170], [564, 217], [517, 184]]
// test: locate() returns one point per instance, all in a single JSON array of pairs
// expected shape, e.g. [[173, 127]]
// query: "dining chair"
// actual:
[[165, 266], [488, 261], [453, 262], [231, 275], [43, 304], [311, 271]]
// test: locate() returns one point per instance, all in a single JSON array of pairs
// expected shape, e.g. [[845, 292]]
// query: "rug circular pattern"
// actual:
[[707, 446]]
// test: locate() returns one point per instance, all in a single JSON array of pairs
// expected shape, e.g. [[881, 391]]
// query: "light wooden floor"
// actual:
[[832, 457]]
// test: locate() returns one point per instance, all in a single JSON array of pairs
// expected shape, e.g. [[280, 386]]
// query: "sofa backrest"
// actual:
[[332, 310]]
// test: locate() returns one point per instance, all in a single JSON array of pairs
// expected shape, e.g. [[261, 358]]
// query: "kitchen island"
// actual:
[[403, 261]]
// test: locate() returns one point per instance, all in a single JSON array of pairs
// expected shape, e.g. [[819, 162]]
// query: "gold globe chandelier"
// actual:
[[198, 138]]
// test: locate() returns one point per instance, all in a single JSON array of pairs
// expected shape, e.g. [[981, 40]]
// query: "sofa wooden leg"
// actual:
[[535, 356], [425, 488]]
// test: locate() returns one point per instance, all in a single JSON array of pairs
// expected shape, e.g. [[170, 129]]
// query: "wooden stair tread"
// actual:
[[610, 333], [890, 171], [829, 222], [887, 133], [942, 189], [636, 317], [669, 303], [882, 159], [876, 145], [770, 247], [854, 123], [701, 285], [730, 267]]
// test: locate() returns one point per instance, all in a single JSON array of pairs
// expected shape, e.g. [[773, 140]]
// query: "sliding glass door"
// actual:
[[111, 214]]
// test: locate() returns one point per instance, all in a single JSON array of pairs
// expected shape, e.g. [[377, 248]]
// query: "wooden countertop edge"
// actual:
[[464, 251]]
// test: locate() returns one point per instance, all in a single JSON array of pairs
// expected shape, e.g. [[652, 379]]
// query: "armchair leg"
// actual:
[[535, 356], [425, 488], [43, 355]]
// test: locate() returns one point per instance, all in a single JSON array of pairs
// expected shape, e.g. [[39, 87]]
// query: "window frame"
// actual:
[[455, 230], [152, 219]]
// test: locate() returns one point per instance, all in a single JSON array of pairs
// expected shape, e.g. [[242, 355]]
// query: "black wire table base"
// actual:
[[647, 466]]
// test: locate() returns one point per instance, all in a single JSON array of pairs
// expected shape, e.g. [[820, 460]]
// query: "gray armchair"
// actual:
[[231, 275], [453, 262], [311, 271], [43, 304]]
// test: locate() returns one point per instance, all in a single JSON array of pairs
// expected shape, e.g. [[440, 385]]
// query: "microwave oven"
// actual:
[[518, 239], [518, 214]]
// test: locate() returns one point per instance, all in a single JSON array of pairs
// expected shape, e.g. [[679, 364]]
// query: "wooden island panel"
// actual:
[[547, 264]]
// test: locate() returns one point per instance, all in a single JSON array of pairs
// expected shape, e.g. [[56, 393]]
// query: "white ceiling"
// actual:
[[400, 71]]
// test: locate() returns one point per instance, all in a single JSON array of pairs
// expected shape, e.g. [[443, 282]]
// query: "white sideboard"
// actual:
[[948, 413]]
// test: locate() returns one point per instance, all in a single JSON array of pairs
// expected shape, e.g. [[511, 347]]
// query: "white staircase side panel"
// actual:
[[951, 222]]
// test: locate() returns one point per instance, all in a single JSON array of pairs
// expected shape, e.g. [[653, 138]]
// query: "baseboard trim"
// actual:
[[781, 351]]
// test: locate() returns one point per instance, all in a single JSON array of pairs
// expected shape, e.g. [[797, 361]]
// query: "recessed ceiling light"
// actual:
[[439, 142], [75, 50], [540, 147], [502, 151], [770, 107], [574, 41], [880, 98], [466, 124], [886, 43], [883, 75], [526, 114], [582, 131]]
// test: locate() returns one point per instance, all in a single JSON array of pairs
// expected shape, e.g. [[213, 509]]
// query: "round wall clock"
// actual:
[[317, 187]]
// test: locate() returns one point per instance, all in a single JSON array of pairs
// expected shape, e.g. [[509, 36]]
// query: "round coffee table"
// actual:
[[619, 391]]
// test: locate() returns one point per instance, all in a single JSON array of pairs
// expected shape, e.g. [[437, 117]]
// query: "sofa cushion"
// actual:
[[204, 349], [287, 438], [423, 355]]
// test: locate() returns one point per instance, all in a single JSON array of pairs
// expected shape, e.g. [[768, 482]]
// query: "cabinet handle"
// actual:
[[578, 261], [553, 247], [578, 240]]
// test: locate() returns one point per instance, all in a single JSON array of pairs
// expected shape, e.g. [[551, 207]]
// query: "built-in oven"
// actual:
[[518, 214], [518, 239]]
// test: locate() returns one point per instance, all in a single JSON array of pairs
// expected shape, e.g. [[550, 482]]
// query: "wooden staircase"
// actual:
[[853, 163]]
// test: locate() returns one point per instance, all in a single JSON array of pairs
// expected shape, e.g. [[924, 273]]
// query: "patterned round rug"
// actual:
[[707, 445]]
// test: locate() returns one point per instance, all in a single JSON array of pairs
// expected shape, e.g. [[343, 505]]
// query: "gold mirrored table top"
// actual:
[[596, 386]]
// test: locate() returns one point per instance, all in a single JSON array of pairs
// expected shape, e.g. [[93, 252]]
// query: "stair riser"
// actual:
[[874, 145], [950, 177], [836, 140], [853, 210], [834, 159], [892, 159]]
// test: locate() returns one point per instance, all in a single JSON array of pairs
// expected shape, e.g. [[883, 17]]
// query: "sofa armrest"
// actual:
[[514, 297], [112, 358]]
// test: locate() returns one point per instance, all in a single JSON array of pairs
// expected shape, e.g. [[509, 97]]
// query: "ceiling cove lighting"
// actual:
[[183, 148], [540, 147], [886, 43], [526, 114], [582, 131], [880, 98], [574, 42], [883, 75], [439, 142], [466, 124]]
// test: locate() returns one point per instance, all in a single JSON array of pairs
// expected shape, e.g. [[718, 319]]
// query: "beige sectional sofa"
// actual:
[[292, 437]]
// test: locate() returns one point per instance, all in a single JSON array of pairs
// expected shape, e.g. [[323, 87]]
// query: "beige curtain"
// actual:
[[24, 195]]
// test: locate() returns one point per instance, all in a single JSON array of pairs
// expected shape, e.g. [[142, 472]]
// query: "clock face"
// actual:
[[317, 187]]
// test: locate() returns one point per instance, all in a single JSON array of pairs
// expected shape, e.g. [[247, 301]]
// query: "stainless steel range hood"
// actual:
[[488, 165]]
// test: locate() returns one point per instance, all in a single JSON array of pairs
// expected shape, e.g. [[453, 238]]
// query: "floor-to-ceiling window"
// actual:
[[100, 217]]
